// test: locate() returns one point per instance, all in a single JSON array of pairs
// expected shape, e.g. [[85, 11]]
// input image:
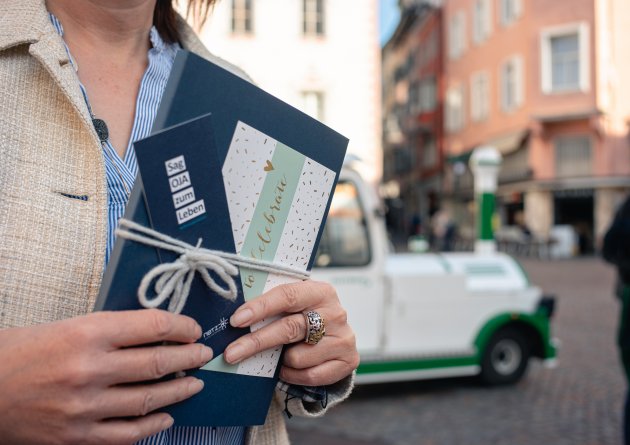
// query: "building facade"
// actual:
[[544, 83], [321, 56], [413, 117]]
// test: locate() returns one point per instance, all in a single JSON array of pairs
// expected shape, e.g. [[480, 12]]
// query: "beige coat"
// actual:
[[52, 246]]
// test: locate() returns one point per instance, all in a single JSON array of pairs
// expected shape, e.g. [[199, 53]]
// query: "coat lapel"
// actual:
[[26, 22], [50, 52]]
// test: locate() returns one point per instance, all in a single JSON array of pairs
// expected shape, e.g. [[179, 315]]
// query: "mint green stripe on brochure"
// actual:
[[264, 233], [270, 216]]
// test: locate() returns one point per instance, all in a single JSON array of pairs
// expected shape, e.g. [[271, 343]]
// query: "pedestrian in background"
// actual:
[[616, 250]]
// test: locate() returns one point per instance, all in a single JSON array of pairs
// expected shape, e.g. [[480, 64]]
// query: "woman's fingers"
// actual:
[[303, 356], [126, 431], [151, 363], [288, 298], [133, 328], [333, 358], [80, 385], [140, 400], [324, 374], [285, 330], [327, 362]]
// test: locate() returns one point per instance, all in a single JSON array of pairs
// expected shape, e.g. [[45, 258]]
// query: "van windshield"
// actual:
[[345, 241]]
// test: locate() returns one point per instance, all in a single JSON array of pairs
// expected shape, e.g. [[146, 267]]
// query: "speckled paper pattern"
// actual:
[[243, 176], [250, 149]]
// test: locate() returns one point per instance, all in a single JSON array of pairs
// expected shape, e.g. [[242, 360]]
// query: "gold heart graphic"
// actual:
[[269, 166]]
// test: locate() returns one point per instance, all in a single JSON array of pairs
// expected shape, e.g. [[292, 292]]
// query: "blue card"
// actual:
[[185, 199]]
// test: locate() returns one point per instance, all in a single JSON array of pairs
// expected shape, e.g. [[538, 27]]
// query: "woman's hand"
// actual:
[[325, 363], [71, 381]]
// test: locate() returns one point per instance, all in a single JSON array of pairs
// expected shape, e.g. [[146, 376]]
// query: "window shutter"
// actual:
[[503, 86], [517, 7], [452, 37], [519, 80], [448, 113], [485, 96], [462, 43], [473, 97], [462, 108], [487, 19]]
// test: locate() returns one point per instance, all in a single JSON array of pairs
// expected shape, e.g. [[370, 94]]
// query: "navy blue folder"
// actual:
[[200, 108]]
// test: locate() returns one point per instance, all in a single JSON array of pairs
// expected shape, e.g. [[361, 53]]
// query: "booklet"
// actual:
[[228, 168]]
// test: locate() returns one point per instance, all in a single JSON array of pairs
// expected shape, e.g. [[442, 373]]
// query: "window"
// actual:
[[573, 156], [482, 20], [404, 159], [413, 98], [344, 241], [313, 17], [427, 95], [313, 104], [430, 50], [422, 96], [565, 59], [455, 109], [510, 11], [512, 84], [457, 35], [393, 133], [479, 96], [242, 22], [429, 153]]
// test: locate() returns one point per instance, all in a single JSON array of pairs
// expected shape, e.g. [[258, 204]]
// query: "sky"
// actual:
[[388, 19]]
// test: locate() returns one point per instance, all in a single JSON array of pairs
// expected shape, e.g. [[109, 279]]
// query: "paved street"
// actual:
[[578, 403]]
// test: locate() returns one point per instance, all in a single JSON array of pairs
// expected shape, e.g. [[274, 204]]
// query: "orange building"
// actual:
[[547, 83]]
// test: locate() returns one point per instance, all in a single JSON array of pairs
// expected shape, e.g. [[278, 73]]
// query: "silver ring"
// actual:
[[315, 328]]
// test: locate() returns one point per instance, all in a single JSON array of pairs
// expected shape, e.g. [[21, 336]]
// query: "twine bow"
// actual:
[[173, 280]]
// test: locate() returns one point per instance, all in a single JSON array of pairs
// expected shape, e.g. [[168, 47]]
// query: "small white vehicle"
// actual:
[[428, 315]]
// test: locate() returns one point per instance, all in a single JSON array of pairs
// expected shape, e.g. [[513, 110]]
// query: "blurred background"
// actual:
[[417, 86]]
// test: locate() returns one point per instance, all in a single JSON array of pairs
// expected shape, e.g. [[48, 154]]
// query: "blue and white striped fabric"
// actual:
[[121, 174], [195, 435]]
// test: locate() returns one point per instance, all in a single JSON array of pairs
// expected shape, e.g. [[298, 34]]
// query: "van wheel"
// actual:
[[505, 358]]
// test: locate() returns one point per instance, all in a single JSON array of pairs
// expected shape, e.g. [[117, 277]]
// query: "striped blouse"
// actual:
[[121, 174]]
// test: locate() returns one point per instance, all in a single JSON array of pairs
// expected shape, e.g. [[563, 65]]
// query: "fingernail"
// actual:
[[195, 386], [234, 353], [197, 331], [168, 422], [241, 317], [205, 355]]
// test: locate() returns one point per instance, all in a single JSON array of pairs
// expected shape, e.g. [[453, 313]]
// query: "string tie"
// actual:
[[173, 280]]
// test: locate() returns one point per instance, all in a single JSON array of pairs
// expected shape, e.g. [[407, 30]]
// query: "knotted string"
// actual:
[[173, 280]]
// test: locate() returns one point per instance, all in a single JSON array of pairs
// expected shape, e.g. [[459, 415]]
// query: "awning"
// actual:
[[462, 157], [564, 117], [552, 185], [508, 143]]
